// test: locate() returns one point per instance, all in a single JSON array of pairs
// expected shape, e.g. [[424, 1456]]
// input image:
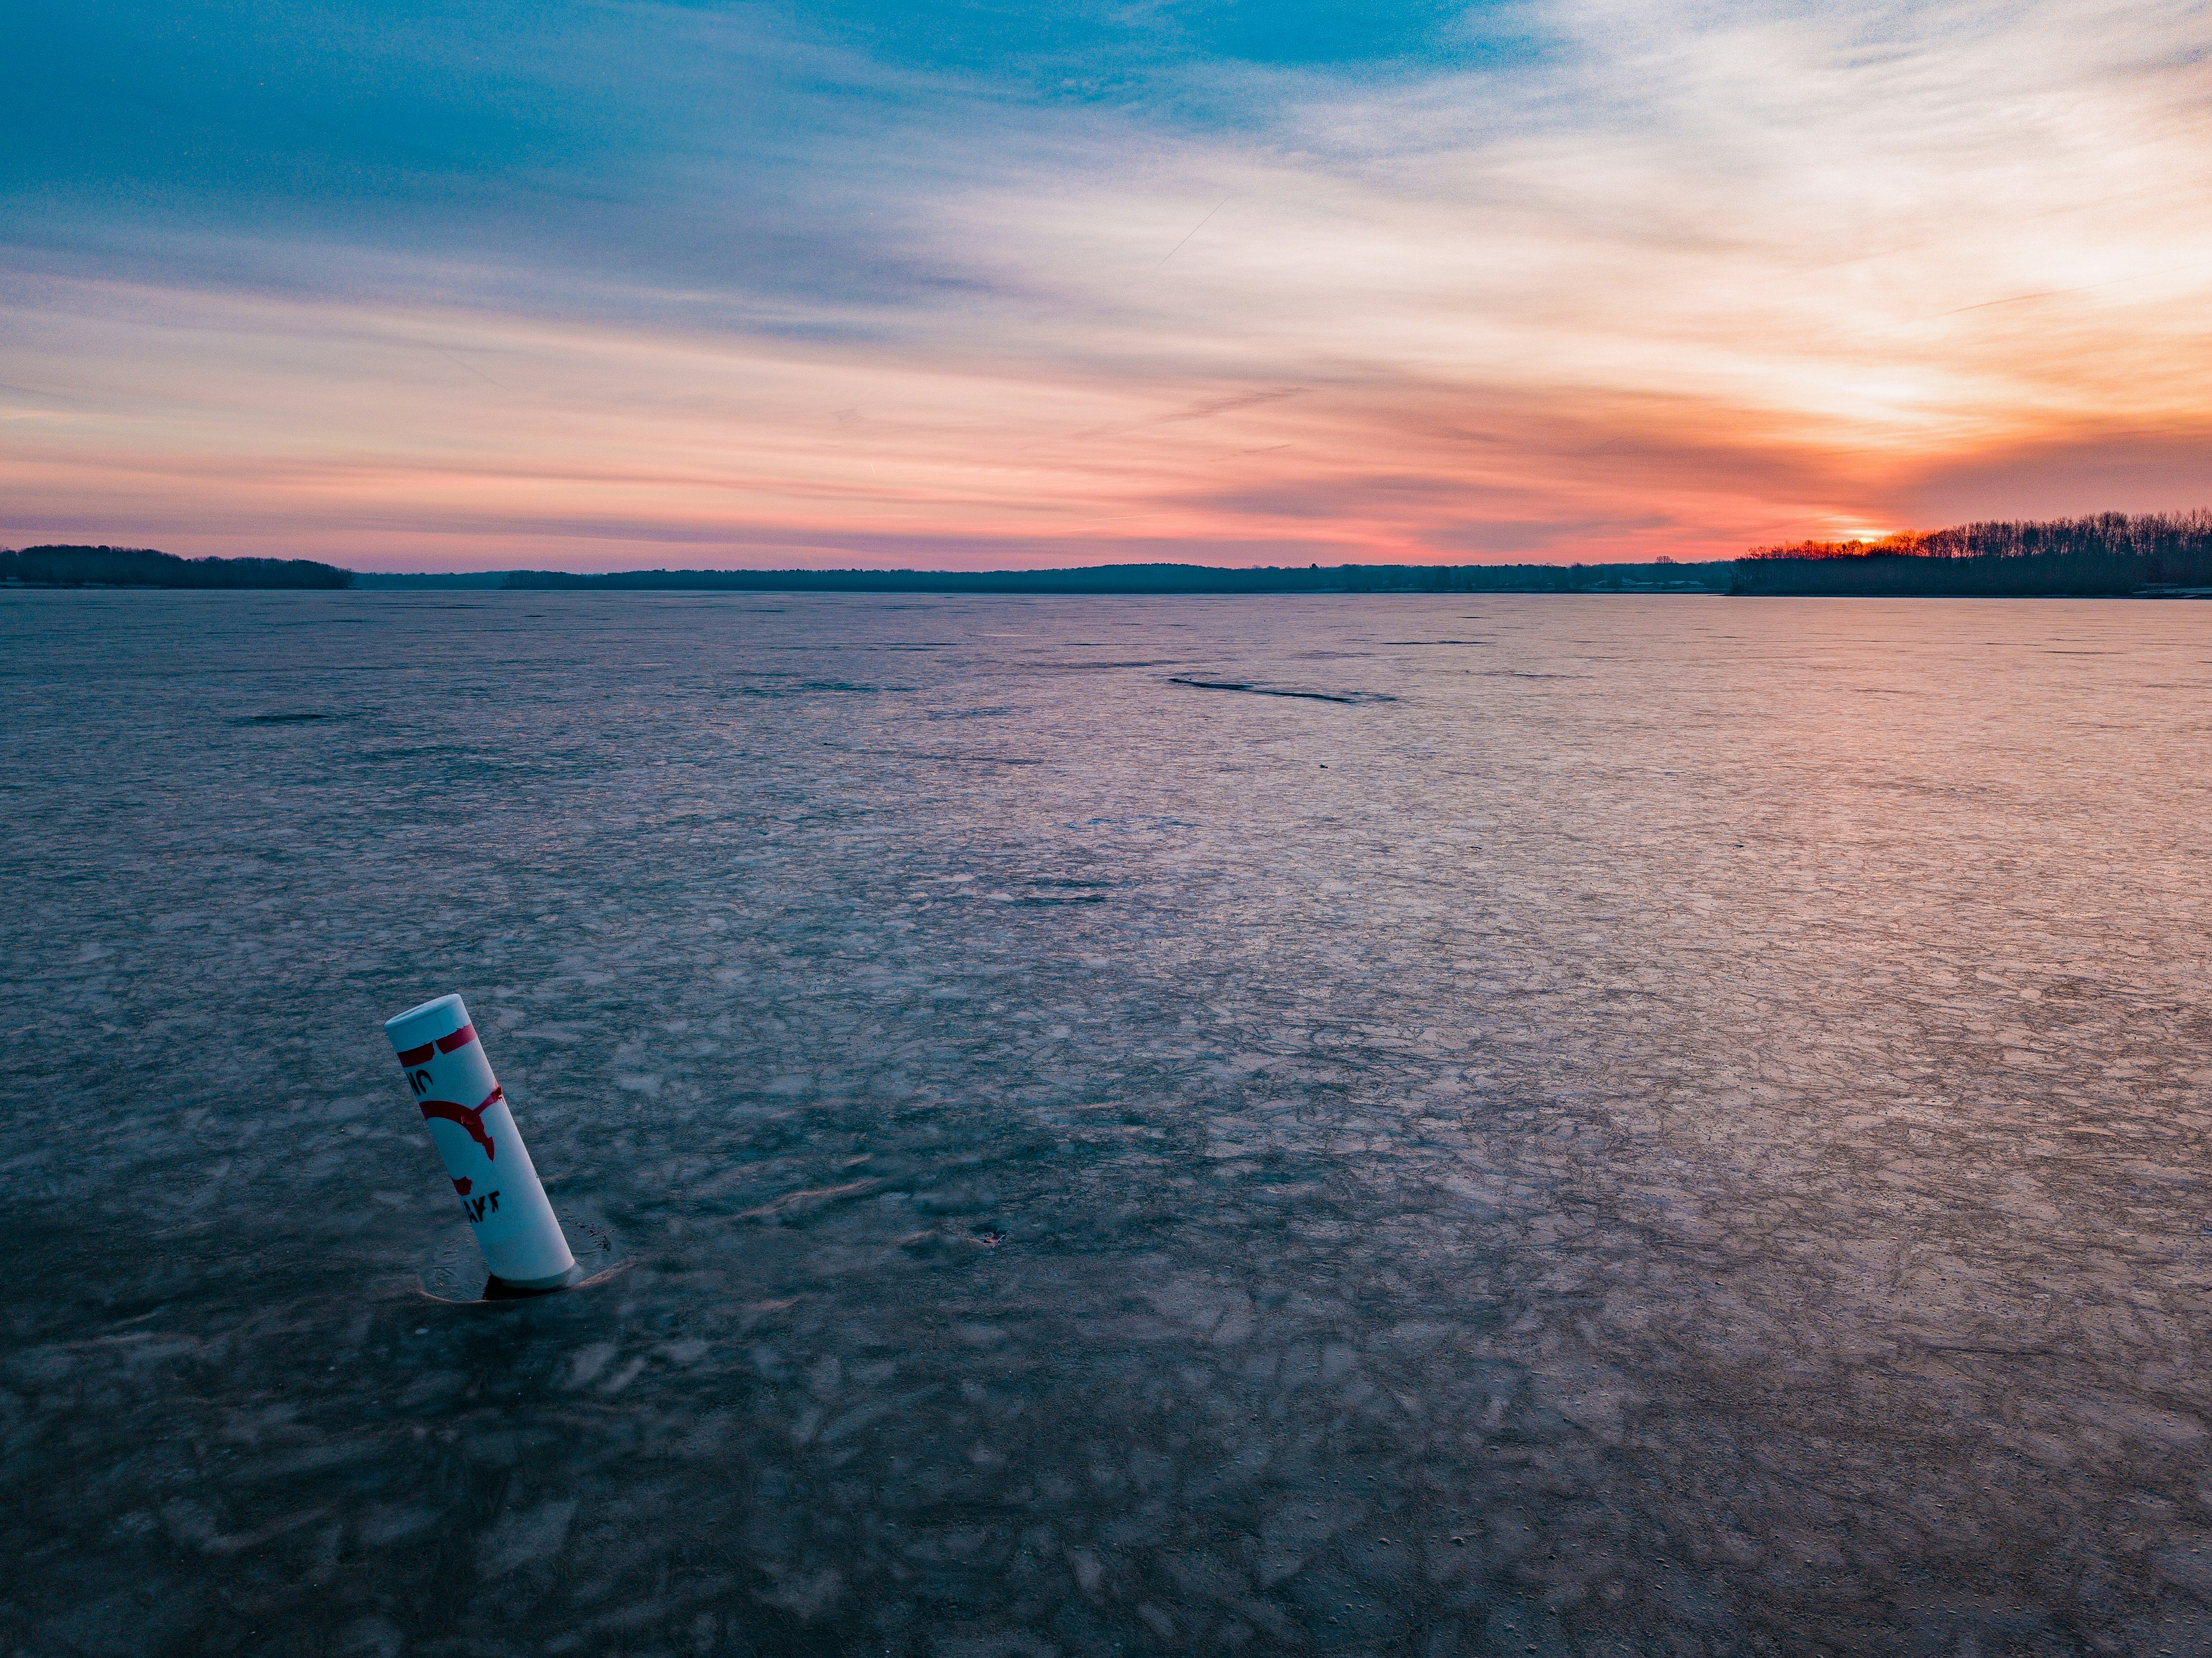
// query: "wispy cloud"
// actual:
[[1658, 278]]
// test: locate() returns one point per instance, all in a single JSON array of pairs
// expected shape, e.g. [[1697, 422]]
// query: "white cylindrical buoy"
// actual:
[[475, 1133]]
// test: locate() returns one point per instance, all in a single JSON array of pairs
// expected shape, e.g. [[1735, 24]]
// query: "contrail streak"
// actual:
[[1192, 231]]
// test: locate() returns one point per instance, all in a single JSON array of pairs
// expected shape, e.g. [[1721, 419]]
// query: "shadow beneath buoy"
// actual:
[[457, 1273]]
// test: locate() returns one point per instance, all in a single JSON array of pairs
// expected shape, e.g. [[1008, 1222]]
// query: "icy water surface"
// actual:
[[1498, 1124]]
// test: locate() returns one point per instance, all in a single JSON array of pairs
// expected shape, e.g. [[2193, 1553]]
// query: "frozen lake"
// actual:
[[1597, 1126]]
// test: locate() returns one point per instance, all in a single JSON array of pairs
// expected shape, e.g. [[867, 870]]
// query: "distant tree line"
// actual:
[[142, 566], [1159, 579], [2109, 555]]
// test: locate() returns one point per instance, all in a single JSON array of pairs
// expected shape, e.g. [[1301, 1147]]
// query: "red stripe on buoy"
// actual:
[[414, 1056], [471, 1122], [460, 1038]]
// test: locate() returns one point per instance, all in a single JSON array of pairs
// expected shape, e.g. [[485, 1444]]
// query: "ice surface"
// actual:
[[1560, 1125]]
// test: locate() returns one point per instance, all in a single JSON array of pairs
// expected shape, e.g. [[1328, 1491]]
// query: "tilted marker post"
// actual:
[[475, 1133]]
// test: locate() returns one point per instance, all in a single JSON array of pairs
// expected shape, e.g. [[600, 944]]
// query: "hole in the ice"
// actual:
[[457, 1272]]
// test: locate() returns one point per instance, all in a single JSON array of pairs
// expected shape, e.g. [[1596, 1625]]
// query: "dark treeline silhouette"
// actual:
[[142, 566], [384, 582], [1163, 579], [2109, 555]]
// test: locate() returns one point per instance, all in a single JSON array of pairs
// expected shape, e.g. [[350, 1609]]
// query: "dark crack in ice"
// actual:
[[1197, 684]]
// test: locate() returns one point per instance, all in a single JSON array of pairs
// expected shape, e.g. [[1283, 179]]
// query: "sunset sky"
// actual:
[[592, 287]]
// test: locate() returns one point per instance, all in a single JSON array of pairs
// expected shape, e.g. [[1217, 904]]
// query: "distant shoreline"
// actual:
[[115, 567], [2112, 555], [1158, 580]]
